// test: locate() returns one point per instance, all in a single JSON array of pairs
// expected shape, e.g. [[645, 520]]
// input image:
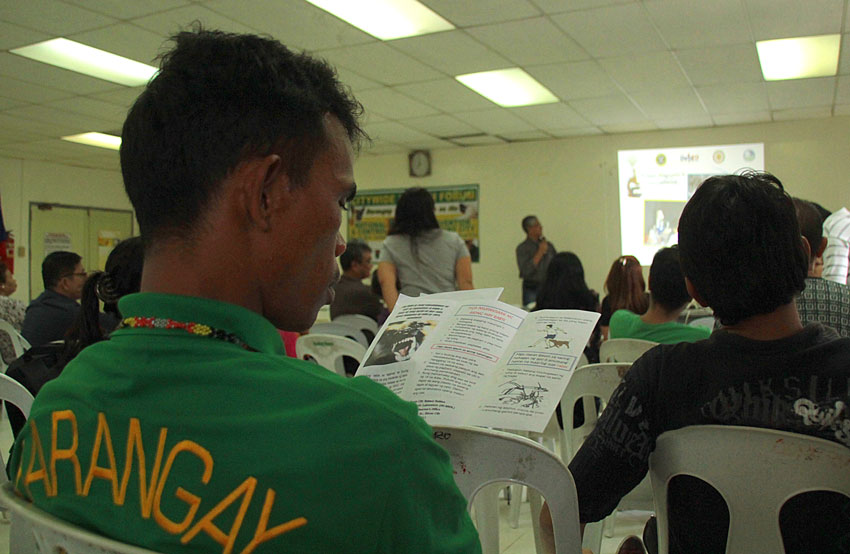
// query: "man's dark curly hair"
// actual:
[[218, 99], [740, 245]]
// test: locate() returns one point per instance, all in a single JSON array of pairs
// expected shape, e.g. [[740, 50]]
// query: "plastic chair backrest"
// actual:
[[328, 350], [593, 380], [342, 330], [623, 350], [361, 322], [482, 456], [19, 343], [755, 471], [15, 393], [52, 535]]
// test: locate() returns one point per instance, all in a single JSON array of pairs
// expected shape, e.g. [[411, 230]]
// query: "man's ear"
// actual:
[[695, 293], [819, 252], [262, 182]]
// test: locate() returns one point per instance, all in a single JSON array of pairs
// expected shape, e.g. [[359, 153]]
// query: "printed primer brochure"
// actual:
[[467, 359]]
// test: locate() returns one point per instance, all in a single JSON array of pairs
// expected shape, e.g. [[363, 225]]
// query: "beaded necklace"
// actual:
[[194, 328]]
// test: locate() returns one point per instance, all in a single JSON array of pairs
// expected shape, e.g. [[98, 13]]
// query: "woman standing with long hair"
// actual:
[[419, 257], [626, 290]]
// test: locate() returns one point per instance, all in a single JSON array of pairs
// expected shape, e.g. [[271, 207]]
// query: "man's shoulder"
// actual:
[[50, 299], [525, 245]]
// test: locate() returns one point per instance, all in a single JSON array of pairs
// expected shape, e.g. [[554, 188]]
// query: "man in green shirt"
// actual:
[[189, 430], [668, 296]]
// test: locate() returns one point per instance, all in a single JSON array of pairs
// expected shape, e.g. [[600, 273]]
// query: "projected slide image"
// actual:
[[661, 222], [694, 181]]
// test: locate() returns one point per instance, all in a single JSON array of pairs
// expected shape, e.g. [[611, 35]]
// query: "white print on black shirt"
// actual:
[[831, 418]]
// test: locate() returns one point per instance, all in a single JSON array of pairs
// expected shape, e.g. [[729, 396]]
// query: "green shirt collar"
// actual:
[[251, 327]]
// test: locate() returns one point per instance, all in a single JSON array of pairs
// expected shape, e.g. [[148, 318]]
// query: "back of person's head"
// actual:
[[220, 99], [625, 285], [528, 222], [564, 287], [123, 276], [414, 213], [740, 245], [666, 280], [57, 265], [354, 251], [811, 224]]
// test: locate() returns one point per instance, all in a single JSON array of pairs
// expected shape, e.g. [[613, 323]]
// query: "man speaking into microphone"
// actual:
[[533, 256]]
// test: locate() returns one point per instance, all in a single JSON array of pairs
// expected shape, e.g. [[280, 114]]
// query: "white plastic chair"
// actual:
[[623, 350], [755, 471], [17, 394], [481, 457], [328, 350], [19, 343], [48, 534], [363, 323], [342, 330]]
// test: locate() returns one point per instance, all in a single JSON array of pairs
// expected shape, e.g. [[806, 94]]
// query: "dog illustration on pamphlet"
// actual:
[[550, 337]]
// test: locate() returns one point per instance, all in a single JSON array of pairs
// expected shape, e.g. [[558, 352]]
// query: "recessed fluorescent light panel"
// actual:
[[508, 87], [68, 54], [799, 58], [386, 19], [101, 140]]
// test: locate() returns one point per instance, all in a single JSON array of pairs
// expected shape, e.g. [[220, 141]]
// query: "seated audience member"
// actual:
[[50, 315], [742, 254], [836, 256], [43, 363], [351, 295], [225, 444], [11, 311], [825, 301], [668, 296], [564, 288], [626, 291]]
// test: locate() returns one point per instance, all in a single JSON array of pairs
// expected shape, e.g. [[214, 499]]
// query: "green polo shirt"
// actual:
[[183, 443], [628, 325]]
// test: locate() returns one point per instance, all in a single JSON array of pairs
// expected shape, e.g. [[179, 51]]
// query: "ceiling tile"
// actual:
[[802, 113], [792, 18], [529, 42], [675, 103], [430, 143], [550, 116], [98, 109], [14, 136], [447, 95], [7, 103], [843, 56], [121, 9], [559, 6], [170, 22], [575, 132], [393, 131], [608, 110], [525, 136], [12, 36], [296, 24], [612, 30], [575, 80], [689, 24], [441, 126], [74, 123], [48, 75], [734, 98], [495, 121], [464, 13], [392, 105], [355, 81], [379, 148], [725, 64], [29, 92], [635, 127], [801, 93], [479, 140], [451, 52], [126, 40], [843, 109], [842, 93], [684, 122], [379, 62], [742, 118], [51, 16], [647, 72], [121, 97]]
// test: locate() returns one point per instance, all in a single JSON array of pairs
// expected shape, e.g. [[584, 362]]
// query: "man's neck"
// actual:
[[656, 313], [351, 275], [782, 322]]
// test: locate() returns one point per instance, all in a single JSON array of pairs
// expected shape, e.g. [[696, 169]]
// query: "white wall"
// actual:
[[25, 181], [571, 185]]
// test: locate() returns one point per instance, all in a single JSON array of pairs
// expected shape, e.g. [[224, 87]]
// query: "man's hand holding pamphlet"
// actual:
[[467, 359]]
